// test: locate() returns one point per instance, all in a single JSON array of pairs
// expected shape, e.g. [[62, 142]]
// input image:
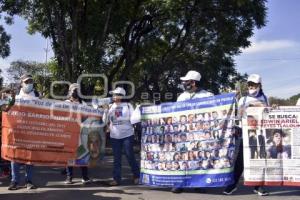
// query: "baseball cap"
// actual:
[[191, 75], [26, 77], [118, 90], [73, 86], [255, 78]]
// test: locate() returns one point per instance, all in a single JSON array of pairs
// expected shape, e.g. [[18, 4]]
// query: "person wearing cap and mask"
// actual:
[[27, 88], [74, 98], [121, 135], [254, 98], [27, 92], [191, 84]]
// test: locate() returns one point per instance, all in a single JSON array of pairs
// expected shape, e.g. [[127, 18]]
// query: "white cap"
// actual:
[[73, 86], [191, 75], [26, 77], [118, 90], [255, 78]]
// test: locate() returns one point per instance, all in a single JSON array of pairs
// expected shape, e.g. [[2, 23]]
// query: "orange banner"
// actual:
[[41, 135]]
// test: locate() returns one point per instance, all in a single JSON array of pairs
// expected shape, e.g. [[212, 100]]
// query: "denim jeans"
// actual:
[[84, 172], [117, 146], [15, 172]]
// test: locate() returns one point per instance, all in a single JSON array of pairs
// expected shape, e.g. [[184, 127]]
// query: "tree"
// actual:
[[284, 102], [39, 71], [151, 42]]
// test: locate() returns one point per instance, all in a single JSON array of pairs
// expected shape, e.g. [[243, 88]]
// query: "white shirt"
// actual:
[[119, 116], [194, 95], [298, 102], [247, 101], [23, 95]]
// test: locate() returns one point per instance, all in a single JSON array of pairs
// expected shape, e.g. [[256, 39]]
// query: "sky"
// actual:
[[274, 52]]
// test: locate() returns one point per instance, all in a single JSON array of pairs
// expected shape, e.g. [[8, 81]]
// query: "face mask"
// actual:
[[27, 88], [74, 94], [187, 86], [253, 92]]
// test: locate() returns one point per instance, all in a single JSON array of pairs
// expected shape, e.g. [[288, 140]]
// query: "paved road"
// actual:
[[51, 187]]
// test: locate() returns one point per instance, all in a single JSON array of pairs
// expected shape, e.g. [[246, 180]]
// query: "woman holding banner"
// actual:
[[122, 135], [255, 98], [74, 98]]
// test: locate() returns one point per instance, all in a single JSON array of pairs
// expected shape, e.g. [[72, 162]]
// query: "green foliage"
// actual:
[[284, 102], [39, 71], [150, 42], [4, 43]]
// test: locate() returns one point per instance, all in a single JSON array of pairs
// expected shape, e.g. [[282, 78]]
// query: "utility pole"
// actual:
[[44, 71]]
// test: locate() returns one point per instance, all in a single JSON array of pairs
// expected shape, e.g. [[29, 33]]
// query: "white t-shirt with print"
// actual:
[[119, 116], [23, 95], [252, 101]]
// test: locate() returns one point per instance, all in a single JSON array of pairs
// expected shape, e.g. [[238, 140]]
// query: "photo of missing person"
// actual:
[[92, 142], [278, 144], [252, 122], [253, 144]]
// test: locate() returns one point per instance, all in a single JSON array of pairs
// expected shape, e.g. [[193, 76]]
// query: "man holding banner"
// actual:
[[191, 91], [198, 153], [255, 98], [27, 92]]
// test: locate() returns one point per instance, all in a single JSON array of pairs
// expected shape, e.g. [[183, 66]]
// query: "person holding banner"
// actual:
[[191, 84], [74, 98], [192, 90], [27, 92], [255, 98], [122, 135]]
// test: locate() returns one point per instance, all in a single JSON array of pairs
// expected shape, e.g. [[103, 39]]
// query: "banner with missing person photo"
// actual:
[[272, 146], [189, 143], [52, 133]]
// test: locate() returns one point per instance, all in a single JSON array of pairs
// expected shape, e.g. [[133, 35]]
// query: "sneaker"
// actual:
[[113, 183], [85, 181], [68, 181], [176, 190], [229, 190], [30, 186], [13, 186], [261, 192]]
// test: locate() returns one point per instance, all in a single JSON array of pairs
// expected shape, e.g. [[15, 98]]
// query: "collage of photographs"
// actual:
[[195, 141]]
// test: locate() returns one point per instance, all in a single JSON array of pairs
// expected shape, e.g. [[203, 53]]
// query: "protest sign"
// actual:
[[272, 146], [189, 143], [48, 132]]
